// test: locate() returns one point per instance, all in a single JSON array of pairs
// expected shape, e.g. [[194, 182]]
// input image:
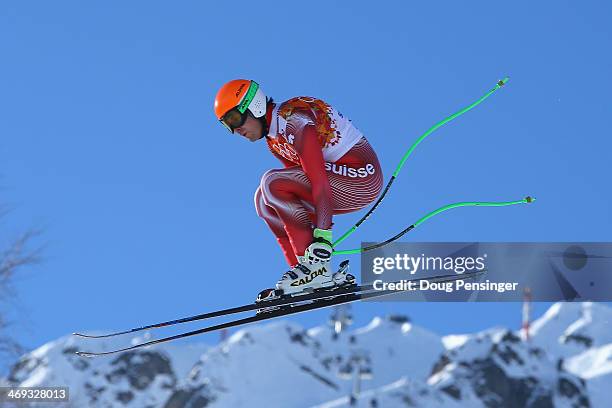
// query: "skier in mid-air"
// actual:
[[330, 168]]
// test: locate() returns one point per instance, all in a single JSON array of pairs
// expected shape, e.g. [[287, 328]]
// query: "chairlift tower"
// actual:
[[358, 368], [340, 319]]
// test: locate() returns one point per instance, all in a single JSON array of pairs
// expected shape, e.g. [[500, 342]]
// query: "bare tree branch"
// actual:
[[15, 257], [12, 260]]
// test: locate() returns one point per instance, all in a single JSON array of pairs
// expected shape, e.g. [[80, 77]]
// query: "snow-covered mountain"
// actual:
[[140, 379], [567, 362]]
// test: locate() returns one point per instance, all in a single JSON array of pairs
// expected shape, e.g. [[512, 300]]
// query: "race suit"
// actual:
[[330, 168]]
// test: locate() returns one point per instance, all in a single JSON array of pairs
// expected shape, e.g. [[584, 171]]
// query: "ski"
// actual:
[[257, 318], [283, 301], [289, 310]]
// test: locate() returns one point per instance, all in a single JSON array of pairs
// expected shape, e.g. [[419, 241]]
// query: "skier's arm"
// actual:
[[308, 148]]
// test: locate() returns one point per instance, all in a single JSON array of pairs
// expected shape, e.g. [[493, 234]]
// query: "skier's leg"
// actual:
[[289, 192], [355, 181], [268, 214]]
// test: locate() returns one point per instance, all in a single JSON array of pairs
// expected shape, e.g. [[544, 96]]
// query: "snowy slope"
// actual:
[[496, 367], [143, 378], [401, 393], [568, 362], [264, 366], [570, 328], [394, 347], [254, 366], [578, 336]]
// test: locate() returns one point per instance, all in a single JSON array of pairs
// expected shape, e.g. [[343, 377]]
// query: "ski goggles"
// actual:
[[235, 117]]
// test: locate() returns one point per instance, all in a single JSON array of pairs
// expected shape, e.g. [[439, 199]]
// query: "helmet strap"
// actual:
[[264, 119], [264, 125]]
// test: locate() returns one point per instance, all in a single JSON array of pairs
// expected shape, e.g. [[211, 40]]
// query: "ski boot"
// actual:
[[304, 278]]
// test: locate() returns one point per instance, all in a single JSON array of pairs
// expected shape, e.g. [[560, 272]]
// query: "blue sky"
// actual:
[[108, 142]]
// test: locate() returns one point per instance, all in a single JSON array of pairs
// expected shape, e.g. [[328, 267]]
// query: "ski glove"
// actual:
[[321, 248]]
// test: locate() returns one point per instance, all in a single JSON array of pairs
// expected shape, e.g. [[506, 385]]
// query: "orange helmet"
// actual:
[[235, 98]]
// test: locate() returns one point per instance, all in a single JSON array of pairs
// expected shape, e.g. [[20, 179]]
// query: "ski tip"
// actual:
[[503, 82], [529, 199], [85, 354], [89, 336], [101, 336]]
